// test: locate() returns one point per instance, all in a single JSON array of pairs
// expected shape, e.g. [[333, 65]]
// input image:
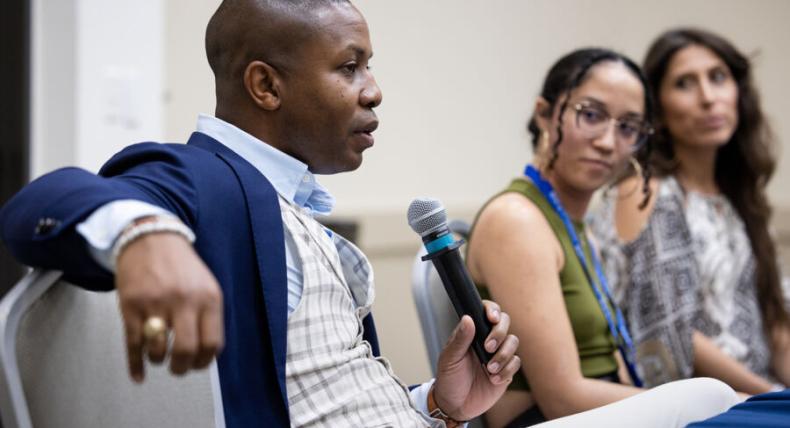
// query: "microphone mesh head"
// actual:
[[426, 215]]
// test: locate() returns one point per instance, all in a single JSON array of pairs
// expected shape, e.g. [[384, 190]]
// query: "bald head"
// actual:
[[296, 75], [241, 31]]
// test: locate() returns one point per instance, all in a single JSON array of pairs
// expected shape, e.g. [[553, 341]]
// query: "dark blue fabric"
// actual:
[[771, 410], [235, 214]]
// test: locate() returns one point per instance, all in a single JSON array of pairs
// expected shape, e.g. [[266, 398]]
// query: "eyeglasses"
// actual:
[[593, 122]]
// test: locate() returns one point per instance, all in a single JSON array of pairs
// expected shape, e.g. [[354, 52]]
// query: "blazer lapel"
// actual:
[[267, 229]]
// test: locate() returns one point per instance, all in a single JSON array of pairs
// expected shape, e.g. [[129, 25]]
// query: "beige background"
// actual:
[[459, 79]]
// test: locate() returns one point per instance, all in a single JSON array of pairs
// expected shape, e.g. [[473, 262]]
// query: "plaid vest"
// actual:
[[332, 377]]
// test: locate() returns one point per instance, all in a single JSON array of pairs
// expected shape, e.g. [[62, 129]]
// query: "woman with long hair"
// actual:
[[528, 250], [696, 269]]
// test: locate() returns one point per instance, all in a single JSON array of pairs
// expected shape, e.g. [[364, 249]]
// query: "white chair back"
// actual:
[[63, 364]]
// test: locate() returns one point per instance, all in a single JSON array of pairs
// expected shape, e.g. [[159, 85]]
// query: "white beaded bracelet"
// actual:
[[155, 225]]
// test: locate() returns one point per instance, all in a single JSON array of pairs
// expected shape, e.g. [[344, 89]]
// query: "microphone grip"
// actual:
[[463, 295]]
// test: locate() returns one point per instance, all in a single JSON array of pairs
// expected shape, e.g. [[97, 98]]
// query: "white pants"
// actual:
[[675, 404]]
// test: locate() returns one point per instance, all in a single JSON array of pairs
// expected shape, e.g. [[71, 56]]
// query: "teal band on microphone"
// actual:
[[440, 243]]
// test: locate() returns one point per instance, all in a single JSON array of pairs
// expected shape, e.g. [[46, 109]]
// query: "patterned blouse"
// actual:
[[690, 268]]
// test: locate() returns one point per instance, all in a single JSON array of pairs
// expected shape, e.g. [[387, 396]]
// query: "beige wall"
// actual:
[[96, 82], [459, 80]]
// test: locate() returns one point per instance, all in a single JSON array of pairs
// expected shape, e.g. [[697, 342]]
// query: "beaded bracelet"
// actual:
[[148, 226]]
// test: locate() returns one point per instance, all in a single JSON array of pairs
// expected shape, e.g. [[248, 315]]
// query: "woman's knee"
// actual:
[[711, 394]]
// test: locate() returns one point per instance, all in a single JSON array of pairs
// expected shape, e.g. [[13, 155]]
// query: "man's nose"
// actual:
[[370, 96]]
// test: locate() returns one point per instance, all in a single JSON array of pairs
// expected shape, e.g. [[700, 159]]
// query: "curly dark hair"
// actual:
[[750, 152], [567, 74]]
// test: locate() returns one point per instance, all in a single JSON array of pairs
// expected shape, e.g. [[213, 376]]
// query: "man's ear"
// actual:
[[262, 82], [542, 114]]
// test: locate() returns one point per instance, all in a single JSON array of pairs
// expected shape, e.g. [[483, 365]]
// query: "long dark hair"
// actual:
[[567, 74], [744, 164]]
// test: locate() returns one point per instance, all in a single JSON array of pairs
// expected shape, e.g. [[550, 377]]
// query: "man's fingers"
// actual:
[[134, 346], [185, 342], [459, 342], [492, 310], [156, 345], [160, 277], [503, 355], [211, 335], [506, 374], [498, 332]]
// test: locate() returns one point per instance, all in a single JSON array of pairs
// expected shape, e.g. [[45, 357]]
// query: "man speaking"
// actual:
[[215, 240]]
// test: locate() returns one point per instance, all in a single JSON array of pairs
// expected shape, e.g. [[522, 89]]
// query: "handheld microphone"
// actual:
[[428, 218]]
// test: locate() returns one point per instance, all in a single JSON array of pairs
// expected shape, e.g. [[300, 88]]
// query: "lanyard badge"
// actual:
[[616, 323]]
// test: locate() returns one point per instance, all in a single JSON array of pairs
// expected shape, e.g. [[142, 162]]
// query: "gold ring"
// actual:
[[154, 328]]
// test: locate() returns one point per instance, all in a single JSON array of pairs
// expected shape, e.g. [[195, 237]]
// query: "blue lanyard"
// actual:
[[616, 324]]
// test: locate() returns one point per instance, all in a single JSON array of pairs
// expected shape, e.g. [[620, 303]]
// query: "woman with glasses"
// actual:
[[528, 248], [700, 252]]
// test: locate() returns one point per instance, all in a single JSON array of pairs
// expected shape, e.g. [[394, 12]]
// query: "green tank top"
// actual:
[[593, 338]]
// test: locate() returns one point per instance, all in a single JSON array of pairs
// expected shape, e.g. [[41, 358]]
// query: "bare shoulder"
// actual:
[[510, 214], [630, 218], [512, 224]]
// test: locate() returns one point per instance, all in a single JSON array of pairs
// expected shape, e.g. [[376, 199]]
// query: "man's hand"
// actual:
[[161, 275], [464, 388]]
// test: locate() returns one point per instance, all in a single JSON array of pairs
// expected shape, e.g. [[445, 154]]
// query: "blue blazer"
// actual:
[[234, 211], [770, 410]]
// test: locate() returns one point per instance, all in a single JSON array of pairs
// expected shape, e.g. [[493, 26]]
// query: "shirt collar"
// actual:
[[289, 176]]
